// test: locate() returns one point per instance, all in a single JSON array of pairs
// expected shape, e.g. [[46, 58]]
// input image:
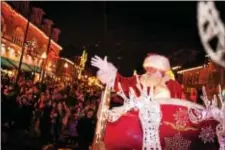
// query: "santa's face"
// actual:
[[154, 71], [154, 75]]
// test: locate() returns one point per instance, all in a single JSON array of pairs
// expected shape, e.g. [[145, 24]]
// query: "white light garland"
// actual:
[[67, 60], [190, 69]]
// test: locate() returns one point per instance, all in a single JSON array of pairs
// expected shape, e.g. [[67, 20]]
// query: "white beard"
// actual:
[[151, 80], [158, 82]]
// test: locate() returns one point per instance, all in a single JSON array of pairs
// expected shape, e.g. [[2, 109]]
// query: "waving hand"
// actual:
[[98, 62]]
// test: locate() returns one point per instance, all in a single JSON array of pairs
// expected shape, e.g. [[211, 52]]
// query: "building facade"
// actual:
[[14, 29], [209, 75], [65, 69]]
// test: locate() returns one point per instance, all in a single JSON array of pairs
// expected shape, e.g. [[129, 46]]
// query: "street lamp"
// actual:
[[43, 57], [66, 65]]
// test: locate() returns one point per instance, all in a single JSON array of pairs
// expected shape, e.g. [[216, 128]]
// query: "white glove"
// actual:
[[106, 72], [98, 62]]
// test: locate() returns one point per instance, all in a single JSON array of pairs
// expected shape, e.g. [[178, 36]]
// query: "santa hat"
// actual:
[[157, 61]]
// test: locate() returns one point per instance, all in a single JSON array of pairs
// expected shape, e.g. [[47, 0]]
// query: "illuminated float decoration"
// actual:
[[211, 27], [162, 124]]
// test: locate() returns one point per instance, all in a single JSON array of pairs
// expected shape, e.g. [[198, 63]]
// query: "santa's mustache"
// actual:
[[156, 75]]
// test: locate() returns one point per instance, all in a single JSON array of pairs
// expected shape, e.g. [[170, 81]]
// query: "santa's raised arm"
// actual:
[[158, 76]]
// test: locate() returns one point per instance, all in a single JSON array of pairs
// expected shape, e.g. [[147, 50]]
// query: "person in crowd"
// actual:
[[25, 110], [85, 129], [72, 125], [45, 121]]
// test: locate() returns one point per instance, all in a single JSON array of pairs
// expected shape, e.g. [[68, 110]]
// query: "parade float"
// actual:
[[150, 122]]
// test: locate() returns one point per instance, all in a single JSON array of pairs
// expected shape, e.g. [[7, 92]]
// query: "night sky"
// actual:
[[127, 31]]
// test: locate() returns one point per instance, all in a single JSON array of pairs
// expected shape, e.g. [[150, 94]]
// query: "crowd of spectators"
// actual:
[[49, 113]]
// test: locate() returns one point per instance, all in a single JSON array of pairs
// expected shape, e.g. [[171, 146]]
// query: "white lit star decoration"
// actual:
[[177, 142], [207, 135], [210, 26]]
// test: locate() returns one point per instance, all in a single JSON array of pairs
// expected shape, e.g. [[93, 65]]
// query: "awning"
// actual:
[[34, 68], [5, 63], [24, 67], [10, 64]]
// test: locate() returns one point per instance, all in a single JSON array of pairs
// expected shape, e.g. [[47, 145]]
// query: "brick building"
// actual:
[[13, 29], [209, 75]]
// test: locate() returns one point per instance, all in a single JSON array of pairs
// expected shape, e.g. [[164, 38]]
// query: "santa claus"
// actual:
[[158, 75], [158, 78]]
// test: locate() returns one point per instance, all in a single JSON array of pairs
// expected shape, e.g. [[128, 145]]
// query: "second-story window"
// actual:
[[197, 78], [18, 36]]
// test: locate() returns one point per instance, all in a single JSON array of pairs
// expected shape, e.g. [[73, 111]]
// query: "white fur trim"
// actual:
[[157, 61], [179, 102]]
